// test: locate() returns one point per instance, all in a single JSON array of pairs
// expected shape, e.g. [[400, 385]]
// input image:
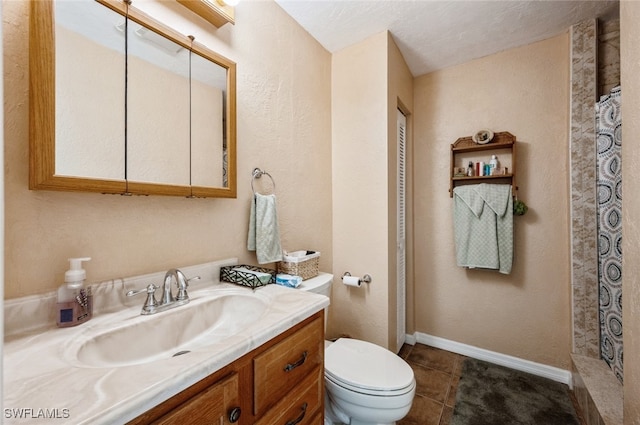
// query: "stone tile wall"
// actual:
[[586, 333], [597, 391], [594, 56], [608, 56]]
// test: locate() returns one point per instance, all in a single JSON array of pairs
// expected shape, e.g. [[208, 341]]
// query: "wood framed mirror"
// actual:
[[120, 103]]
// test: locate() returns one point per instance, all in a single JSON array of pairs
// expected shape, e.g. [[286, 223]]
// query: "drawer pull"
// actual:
[[291, 366], [234, 415], [301, 417]]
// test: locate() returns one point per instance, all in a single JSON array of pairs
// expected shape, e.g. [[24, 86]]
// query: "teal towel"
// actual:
[[483, 226], [264, 236]]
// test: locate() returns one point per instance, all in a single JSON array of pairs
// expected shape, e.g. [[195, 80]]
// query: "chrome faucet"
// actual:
[[167, 301], [167, 295]]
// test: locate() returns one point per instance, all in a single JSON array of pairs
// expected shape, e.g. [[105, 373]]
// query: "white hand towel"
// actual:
[[264, 236]]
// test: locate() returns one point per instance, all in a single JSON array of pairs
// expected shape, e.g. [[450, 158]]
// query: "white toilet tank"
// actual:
[[320, 284]]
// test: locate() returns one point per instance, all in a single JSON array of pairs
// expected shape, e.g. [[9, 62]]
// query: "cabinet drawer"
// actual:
[[318, 419], [302, 405], [280, 368], [212, 405]]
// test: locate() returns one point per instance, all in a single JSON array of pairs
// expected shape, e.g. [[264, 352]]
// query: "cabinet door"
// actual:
[[318, 419], [302, 405], [89, 92], [211, 406], [283, 366]]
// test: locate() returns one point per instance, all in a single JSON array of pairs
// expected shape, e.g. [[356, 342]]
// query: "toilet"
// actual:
[[365, 384]]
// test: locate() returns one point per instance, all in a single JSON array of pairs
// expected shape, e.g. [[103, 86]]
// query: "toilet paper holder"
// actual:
[[366, 278]]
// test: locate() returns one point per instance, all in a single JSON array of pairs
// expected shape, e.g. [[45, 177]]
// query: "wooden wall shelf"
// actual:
[[212, 11], [502, 141]]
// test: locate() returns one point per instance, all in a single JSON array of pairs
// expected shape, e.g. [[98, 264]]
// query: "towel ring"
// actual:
[[256, 174]]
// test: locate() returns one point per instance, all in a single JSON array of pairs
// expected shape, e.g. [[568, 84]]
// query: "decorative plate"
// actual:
[[482, 137]]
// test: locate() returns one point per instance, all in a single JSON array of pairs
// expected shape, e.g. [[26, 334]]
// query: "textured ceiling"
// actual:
[[437, 34]]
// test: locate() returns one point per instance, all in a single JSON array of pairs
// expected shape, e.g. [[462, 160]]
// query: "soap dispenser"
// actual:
[[75, 301]]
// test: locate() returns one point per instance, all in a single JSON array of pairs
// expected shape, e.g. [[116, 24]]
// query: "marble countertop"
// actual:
[[41, 379]]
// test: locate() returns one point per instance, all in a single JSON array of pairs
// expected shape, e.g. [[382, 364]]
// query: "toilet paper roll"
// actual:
[[351, 281]]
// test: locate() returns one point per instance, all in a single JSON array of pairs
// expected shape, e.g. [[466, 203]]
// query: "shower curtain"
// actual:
[[609, 197]]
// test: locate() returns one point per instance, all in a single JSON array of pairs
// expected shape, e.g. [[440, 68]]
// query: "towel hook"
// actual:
[[256, 174]]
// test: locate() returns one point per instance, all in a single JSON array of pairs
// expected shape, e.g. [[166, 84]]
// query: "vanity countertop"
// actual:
[[41, 381]]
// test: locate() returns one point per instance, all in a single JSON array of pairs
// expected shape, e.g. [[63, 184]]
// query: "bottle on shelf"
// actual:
[[493, 164]]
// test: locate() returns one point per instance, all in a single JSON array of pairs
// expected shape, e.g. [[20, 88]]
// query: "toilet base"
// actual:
[[337, 417], [354, 422]]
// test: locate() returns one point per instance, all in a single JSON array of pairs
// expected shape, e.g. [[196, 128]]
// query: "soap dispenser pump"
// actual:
[[75, 301]]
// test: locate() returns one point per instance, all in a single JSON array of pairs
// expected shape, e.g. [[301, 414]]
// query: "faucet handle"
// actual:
[[182, 288], [150, 303], [150, 289]]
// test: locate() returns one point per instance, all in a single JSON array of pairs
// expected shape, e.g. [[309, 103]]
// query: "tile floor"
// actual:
[[437, 375]]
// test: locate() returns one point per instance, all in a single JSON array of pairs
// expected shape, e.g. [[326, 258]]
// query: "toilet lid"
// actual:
[[365, 365]]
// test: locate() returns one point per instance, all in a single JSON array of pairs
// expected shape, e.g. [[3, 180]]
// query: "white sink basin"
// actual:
[[207, 320]]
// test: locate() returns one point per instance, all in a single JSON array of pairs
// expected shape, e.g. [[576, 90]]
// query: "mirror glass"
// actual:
[[208, 136], [158, 112], [89, 91]]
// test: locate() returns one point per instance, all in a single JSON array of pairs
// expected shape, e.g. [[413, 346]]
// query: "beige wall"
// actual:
[[369, 81], [630, 69], [527, 313], [283, 126], [360, 216], [400, 96]]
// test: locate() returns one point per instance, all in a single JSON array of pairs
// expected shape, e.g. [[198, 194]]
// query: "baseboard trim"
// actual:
[[539, 369], [410, 339]]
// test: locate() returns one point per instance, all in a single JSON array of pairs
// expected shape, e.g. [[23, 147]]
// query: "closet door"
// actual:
[[401, 232]]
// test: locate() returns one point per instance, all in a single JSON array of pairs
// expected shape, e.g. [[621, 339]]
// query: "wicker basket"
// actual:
[[229, 274], [300, 263]]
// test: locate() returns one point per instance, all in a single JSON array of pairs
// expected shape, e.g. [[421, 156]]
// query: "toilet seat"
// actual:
[[337, 384], [367, 368]]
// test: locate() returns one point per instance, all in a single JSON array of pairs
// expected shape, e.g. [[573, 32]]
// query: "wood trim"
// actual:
[[211, 11], [42, 143], [115, 5], [41, 94], [217, 192], [231, 126], [141, 18], [141, 188], [502, 140], [42, 127]]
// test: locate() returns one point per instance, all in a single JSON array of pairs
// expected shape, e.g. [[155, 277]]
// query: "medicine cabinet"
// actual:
[[465, 150], [120, 103]]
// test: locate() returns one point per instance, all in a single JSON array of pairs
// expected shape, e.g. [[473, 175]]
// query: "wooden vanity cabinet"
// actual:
[[280, 382], [278, 369], [215, 404]]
